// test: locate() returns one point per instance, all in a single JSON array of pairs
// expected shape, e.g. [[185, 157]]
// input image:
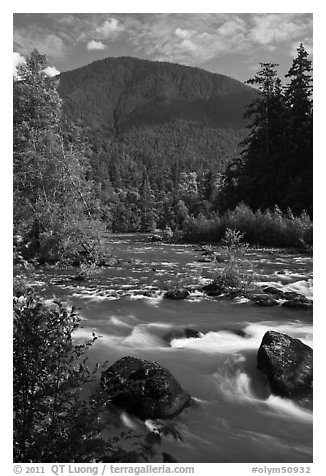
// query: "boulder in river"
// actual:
[[278, 293], [180, 293], [211, 287], [187, 333], [265, 300], [155, 238], [299, 303], [144, 388], [287, 363], [205, 259], [192, 333]]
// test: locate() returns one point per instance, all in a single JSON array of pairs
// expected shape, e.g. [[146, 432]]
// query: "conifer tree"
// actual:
[[252, 178], [276, 163], [299, 102]]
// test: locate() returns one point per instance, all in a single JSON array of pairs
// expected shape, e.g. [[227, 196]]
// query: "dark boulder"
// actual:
[[208, 253], [187, 333], [298, 302], [274, 291], [211, 287], [155, 238], [205, 259], [239, 332], [287, 363], [192, 333], [181, 293], [213, 293], [144, 388], [265, 300], [293, 295]]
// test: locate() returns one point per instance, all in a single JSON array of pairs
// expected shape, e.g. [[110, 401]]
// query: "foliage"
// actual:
[[48, 373], [87, 271], [55, 208], [270, 228], [238, 270]]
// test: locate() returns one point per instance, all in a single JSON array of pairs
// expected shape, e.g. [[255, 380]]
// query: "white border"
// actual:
[[140, 6]]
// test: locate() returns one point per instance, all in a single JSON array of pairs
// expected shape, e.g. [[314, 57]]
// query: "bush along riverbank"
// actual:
[[261, 228]]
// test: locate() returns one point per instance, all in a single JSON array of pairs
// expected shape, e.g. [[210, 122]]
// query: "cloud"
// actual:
[[51, 71], [180, 33], [18, 60], [232, 27], [95, 45], [28, 38], [110, 28], [188, 45], [268, 29], [188, 38]]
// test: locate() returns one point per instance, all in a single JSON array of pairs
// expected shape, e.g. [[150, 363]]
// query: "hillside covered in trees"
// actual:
[[161, 133]]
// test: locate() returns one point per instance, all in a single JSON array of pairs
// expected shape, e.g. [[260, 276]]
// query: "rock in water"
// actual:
[[287, 363], [144, 388], [192, 333], [155, 238], [177, 294]]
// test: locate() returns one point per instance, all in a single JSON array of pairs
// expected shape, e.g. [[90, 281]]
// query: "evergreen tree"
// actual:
[[276, 163], [298, 97], [253, 179]]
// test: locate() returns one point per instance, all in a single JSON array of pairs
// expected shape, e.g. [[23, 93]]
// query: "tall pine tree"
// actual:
[[299, 160], [276, 163]]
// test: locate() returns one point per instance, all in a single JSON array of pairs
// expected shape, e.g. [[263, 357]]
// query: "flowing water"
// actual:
[[232, 417]]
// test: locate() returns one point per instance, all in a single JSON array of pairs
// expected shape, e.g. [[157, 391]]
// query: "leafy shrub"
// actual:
[[238, 270], [87, 271], [267, 228], [203, 229], [49, 414], [68, 239]]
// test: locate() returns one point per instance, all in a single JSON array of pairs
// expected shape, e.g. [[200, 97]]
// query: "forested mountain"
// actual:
[[116, 94], [157, 123], [160, 115]]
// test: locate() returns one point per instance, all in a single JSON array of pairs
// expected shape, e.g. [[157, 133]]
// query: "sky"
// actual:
[[228, 43]]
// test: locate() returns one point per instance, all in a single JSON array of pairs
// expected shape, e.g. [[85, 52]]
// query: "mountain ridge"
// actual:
[[117, 93]]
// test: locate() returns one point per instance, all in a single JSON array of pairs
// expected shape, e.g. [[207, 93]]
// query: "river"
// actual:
[[232, 418]]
